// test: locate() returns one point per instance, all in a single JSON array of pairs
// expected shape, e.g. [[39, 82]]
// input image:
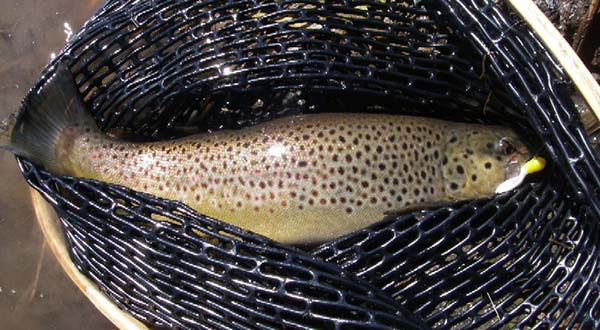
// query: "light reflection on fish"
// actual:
[[299, 180]]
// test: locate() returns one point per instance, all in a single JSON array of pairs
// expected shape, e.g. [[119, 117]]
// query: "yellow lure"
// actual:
[[535, 164]]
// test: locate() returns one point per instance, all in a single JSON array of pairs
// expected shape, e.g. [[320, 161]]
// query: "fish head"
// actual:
[[478, 158]]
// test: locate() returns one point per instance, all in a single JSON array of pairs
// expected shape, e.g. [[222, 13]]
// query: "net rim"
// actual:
[[48, 221]]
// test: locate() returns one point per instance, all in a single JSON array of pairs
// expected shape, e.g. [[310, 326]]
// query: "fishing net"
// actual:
[[154, 69]]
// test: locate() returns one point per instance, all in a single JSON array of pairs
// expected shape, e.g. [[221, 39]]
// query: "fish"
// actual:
[[302, 179]]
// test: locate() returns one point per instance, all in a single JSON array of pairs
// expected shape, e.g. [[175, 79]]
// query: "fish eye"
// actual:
[[506, 148]]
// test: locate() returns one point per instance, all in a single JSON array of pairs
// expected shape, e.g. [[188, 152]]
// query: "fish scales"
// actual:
[[280, 177]]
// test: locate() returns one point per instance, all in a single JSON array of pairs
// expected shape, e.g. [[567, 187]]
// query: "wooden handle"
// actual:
[[561, 50]]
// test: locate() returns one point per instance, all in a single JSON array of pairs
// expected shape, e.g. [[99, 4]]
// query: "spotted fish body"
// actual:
[[319, 175], [302, 179]]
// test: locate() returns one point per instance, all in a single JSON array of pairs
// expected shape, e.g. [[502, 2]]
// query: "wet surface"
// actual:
[[35, 293]]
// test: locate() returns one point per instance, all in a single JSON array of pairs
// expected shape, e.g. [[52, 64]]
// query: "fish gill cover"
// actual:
[[152, 69]]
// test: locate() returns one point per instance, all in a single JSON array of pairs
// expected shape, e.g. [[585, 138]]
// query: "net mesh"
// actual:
[[153, 69]]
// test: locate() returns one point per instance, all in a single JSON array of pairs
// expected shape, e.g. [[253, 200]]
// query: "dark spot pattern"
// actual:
[[350, 164]]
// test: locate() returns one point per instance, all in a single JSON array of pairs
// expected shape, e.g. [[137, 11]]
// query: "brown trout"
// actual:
[[299, 180]]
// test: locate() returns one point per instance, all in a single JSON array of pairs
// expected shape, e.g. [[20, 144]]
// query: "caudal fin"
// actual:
[[34, 130]]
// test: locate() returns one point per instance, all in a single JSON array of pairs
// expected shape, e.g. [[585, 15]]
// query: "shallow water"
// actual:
[[34, 291]]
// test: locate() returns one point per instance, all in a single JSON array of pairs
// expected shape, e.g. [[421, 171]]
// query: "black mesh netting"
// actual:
[[526, 259]]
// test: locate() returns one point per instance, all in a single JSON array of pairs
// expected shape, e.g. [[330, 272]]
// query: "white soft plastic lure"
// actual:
[[535, 164]]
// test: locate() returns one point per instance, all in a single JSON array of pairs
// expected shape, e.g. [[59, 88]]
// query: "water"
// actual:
[[34, 291]]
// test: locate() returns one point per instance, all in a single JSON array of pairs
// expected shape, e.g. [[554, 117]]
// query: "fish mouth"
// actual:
[[512, 170], [513, 165]]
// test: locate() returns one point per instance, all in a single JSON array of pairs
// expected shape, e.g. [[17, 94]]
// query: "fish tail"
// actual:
[[34, 130]]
